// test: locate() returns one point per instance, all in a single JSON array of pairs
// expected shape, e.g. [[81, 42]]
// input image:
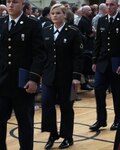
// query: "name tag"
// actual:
[[47, 38], [117, 30], [102, 29]]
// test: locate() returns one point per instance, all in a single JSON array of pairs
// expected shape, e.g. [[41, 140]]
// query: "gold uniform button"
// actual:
[[9, 39], [108, 49], [54, 63], [9, 55], [9, 47], [9, 63]]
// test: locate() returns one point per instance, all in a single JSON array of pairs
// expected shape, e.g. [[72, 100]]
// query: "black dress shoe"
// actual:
[[114, 126], [51, 141], [97, 125], [66, 143]]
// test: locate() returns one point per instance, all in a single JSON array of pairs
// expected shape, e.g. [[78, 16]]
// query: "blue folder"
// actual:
[[23, 77], [115, 63]]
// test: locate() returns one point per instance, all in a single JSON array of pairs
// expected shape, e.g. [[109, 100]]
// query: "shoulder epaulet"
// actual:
[[73, 27], [104, 17], [48, 26], [2, 17], [33, 18]]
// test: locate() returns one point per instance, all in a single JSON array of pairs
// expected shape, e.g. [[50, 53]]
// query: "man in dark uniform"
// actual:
[[106, 58], [20, 47]]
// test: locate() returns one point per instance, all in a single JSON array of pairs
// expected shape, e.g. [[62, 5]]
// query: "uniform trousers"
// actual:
[[23, 106], [117, 139], [102, 82], [51, 96]]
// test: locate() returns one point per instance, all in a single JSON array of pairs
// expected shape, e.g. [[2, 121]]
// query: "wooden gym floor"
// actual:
[[84, 139]]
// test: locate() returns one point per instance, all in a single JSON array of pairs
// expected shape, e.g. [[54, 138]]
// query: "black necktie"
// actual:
[[12, 25], [111, 21], [57, 31]]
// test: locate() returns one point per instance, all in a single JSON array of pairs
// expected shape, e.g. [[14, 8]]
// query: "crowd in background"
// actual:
[[86, 19], [74, 15]]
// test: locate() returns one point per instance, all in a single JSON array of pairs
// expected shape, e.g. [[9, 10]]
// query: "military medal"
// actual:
[[23, 37], [117, 30], [65, 40]]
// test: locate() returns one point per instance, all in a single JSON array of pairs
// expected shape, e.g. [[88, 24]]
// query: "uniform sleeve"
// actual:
[[38, 52], [77, 59], [97, 44]]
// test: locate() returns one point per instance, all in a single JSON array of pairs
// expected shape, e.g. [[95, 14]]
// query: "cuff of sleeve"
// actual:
[[76, 75], [34, 77], [94, 60]]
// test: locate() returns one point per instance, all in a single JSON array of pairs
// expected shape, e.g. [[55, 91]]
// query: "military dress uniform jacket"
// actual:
[[85, 26], [20, 48], [107, 42], [64, 61]]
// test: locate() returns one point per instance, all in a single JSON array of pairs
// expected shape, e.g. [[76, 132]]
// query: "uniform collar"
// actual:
[[16, 20], [59, 29], [112, 16]]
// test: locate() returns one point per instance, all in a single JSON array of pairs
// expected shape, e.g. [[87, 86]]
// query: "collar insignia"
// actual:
[[81, 46], [21, 22]]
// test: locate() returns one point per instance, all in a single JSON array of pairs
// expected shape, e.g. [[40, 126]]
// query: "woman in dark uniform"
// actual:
[[63, 45]]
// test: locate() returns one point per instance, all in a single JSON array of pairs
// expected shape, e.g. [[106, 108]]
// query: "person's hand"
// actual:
[[31, 87], [94, 67], [76, 84], [118, 70]]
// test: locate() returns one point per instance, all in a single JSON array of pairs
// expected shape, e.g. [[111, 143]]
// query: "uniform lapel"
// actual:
[[5, 26], [51, 33], [106, 23]]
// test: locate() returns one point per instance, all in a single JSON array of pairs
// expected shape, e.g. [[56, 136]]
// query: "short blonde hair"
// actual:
[[58, 5]]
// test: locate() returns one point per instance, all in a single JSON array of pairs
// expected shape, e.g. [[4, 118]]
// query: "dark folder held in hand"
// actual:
[[115, 63], [23, 77]]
